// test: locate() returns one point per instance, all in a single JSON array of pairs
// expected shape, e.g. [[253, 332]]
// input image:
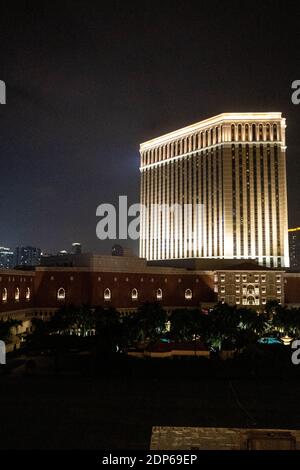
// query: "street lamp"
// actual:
[[286, 340]]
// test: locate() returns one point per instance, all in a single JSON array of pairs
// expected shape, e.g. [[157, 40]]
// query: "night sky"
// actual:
[[88, 82]]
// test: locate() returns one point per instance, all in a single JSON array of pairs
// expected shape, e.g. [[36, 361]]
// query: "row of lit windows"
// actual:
[[142, 279], [18, 279], [200, 140], [250, 300], [254, 132], [244, 277], [107, 295], [179, 147], [16, 294]]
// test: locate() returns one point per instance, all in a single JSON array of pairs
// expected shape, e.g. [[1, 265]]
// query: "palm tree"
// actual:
[[151, 320], [188, 324], [109, 331]]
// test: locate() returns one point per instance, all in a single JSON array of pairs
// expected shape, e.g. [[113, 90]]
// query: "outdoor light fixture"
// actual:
[[286, 340]]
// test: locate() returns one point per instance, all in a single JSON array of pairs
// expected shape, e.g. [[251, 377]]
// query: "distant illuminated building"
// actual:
[[233, 167], [294, 243], [27, 256], [6, 258]]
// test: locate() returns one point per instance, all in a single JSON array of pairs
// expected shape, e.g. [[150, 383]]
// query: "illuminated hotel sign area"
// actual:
[[233, 165]]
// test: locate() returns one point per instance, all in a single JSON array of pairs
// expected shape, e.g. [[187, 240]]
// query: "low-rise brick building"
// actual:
[[127, 282]]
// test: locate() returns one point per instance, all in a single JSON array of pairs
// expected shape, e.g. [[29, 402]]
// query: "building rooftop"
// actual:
[[210, 122]]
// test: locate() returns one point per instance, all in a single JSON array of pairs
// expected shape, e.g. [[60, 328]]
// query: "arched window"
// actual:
[[159, 294], [61, 294], [134, 294], [4, 295], [107, 294], [17, 294], [188, 294], [275, 132], [268, 131], [250, 289], [247, 132], [239, 132], [232, 132], [260, 132], [27, 295], [254, 132]]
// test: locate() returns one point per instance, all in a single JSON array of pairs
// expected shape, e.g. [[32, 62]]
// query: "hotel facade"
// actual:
[[226, 179]]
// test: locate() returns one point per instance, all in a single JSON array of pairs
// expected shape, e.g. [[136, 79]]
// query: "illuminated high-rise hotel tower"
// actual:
[[233, 167]]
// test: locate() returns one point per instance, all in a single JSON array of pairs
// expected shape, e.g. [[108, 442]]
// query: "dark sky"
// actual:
[[88, 82]]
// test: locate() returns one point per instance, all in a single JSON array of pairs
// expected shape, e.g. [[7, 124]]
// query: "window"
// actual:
[[222, 277], [278, 290], [278, 278], [107, 294], [246, 132], [250, 289], [134, 294], [237, 290], [188, 294], [244, 277], [237, 278], [263, 301], [263, 278], [237, 300], [61, 294], [223, 289], [17, 294], [232, 132], [239, 132], [159, 294], [4, 295], [27, 295]]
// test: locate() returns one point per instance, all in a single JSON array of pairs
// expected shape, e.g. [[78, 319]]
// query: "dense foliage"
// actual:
[[223, 328]]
